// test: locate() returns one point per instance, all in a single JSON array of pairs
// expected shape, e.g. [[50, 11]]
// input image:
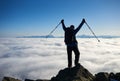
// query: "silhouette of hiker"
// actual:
[[71, 42]]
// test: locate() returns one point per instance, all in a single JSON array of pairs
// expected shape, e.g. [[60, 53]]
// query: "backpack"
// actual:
[[69, 36]]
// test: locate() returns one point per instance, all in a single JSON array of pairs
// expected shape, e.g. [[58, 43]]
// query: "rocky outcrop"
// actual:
[[36, 80], [104, 76], [10, 79], [77, 73]]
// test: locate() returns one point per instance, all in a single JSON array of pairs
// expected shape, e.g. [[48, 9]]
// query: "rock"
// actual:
[[42, 80], [112, 76], [10, 79], [29, 80], [102, 76], [118, 76], [77, 73], [37, 80]]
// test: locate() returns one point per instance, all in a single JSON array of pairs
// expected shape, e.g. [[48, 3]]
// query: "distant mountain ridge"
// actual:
[[42, 36], [79, 36], [100, 36]]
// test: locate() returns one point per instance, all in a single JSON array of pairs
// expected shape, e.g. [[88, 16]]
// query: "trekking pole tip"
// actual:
[[98, 40]]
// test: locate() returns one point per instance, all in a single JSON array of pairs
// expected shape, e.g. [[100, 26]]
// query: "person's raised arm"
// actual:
[[63, 25], [79, 27]]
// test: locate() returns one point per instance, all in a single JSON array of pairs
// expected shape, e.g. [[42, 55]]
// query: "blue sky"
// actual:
[[39, 17]]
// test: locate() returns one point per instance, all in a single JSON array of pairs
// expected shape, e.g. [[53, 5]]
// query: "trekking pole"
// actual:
[[53, 30], [92, 31]]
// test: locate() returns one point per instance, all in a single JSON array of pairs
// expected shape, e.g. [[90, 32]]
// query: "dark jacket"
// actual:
[[70, 34]]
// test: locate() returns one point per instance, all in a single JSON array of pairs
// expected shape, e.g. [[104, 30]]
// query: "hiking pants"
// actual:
[[69, 52]]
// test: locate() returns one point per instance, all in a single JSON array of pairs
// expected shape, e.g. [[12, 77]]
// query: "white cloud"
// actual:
[[43, 58]]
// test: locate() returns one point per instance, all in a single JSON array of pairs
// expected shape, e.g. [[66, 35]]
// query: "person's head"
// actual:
[[72, 27]]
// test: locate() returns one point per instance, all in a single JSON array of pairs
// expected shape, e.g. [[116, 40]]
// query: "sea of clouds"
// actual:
[[41, 58]]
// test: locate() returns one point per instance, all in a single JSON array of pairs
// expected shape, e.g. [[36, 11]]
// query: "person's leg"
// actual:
[[69, 52], [77, 54]]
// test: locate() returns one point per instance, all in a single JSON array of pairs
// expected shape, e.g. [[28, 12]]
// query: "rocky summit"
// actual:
[[77, 73], [10, 79]]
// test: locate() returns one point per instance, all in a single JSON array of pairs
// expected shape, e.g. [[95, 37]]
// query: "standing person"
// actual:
[[71, 42]]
